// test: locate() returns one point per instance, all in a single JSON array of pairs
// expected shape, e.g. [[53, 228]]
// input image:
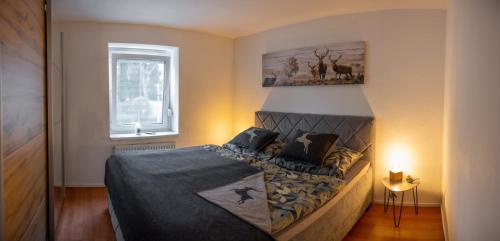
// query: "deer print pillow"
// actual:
[[254, 138], [309, 147]]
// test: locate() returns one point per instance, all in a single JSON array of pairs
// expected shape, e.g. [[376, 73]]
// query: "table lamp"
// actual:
[[396, 174]]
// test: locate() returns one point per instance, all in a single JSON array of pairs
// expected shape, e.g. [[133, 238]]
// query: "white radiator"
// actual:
[[144, 147]]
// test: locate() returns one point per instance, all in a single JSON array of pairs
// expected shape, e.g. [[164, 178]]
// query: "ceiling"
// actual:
[[230, 18]]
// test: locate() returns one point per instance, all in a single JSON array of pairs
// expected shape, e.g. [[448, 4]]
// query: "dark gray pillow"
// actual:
[[254, 138], [309, 147]]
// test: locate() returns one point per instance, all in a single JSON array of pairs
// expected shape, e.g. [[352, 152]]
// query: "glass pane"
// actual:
[[139, 86]]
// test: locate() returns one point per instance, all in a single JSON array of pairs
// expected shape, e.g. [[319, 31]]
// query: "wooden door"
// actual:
[[23, 118]]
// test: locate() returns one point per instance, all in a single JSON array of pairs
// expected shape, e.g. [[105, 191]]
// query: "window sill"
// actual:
[[142, 135]]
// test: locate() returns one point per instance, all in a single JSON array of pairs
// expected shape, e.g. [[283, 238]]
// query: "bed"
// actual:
[[129, 184]]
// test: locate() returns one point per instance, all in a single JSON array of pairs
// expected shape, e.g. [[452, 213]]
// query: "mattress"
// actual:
[[330, 222], [355, 170]]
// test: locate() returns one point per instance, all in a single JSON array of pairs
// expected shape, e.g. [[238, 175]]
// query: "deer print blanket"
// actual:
[[274, 198], [246, 199]]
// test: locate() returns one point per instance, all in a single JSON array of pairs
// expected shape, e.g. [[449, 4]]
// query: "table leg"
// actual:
[[416, 193], [398, 221], [414, 201], [387, 200], [385, 206]]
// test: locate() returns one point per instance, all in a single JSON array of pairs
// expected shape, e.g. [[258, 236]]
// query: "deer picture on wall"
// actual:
[[322, 67], [340, 69], [307, 65]]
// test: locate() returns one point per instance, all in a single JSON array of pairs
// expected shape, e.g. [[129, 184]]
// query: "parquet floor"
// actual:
[[85, 218]]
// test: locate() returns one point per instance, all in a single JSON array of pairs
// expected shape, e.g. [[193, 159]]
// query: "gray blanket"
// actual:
[[154, 196]]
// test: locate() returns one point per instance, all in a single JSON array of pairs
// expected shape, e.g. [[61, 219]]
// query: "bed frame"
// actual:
[[334, 220]]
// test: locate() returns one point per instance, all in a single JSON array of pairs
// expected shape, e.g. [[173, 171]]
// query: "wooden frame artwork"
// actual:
[[327, 64]]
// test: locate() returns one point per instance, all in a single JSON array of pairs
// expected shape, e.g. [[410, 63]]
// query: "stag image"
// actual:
[[340, 69], [244, 194], [321, 65], [314, 71]]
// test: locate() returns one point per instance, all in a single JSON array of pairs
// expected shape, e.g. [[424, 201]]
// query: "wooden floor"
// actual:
[[85, 218], [375, 225]]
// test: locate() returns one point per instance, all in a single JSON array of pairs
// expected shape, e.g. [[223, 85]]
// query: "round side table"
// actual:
[[390, 192]]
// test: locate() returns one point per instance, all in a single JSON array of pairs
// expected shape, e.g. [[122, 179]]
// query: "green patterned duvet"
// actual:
[[291, 195]]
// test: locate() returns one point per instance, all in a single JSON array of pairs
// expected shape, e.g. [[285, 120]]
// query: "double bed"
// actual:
[[163, 195]]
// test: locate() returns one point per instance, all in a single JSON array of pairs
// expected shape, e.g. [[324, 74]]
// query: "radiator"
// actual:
[[144, 147]]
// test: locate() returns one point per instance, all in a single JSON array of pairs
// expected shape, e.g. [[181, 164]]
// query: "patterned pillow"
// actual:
[[309, 147], [239, 150], [254, 138], [275, 148], [305, 167], [342, 159], [267, 153]]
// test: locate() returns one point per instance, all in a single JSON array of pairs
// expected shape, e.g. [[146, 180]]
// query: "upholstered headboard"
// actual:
[[355, 132]]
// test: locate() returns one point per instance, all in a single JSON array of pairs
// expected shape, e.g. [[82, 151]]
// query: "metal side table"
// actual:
[[391, 189]]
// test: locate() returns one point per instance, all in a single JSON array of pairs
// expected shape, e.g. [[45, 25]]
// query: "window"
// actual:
[[143, 81]]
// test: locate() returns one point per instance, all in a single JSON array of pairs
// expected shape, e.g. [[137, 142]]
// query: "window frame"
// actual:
[[168, 55]]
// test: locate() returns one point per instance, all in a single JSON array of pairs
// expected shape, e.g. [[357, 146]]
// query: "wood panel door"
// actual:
[[23, 118]]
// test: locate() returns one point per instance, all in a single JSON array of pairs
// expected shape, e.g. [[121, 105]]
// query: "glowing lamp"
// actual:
[[398, 154], [396, 175]]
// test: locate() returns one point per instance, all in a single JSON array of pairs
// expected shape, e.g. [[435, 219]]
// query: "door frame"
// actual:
[[49, 118], [2, 197]]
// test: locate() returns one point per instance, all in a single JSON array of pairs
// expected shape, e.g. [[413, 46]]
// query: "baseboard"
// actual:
[[420, 204], [85, 185]]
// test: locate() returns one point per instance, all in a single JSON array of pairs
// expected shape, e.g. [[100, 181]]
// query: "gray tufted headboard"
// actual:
[[355, 132]]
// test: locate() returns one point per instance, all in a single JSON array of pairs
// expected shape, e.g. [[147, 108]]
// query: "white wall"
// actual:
[[205, 91], [403, 90], [472, 121]]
